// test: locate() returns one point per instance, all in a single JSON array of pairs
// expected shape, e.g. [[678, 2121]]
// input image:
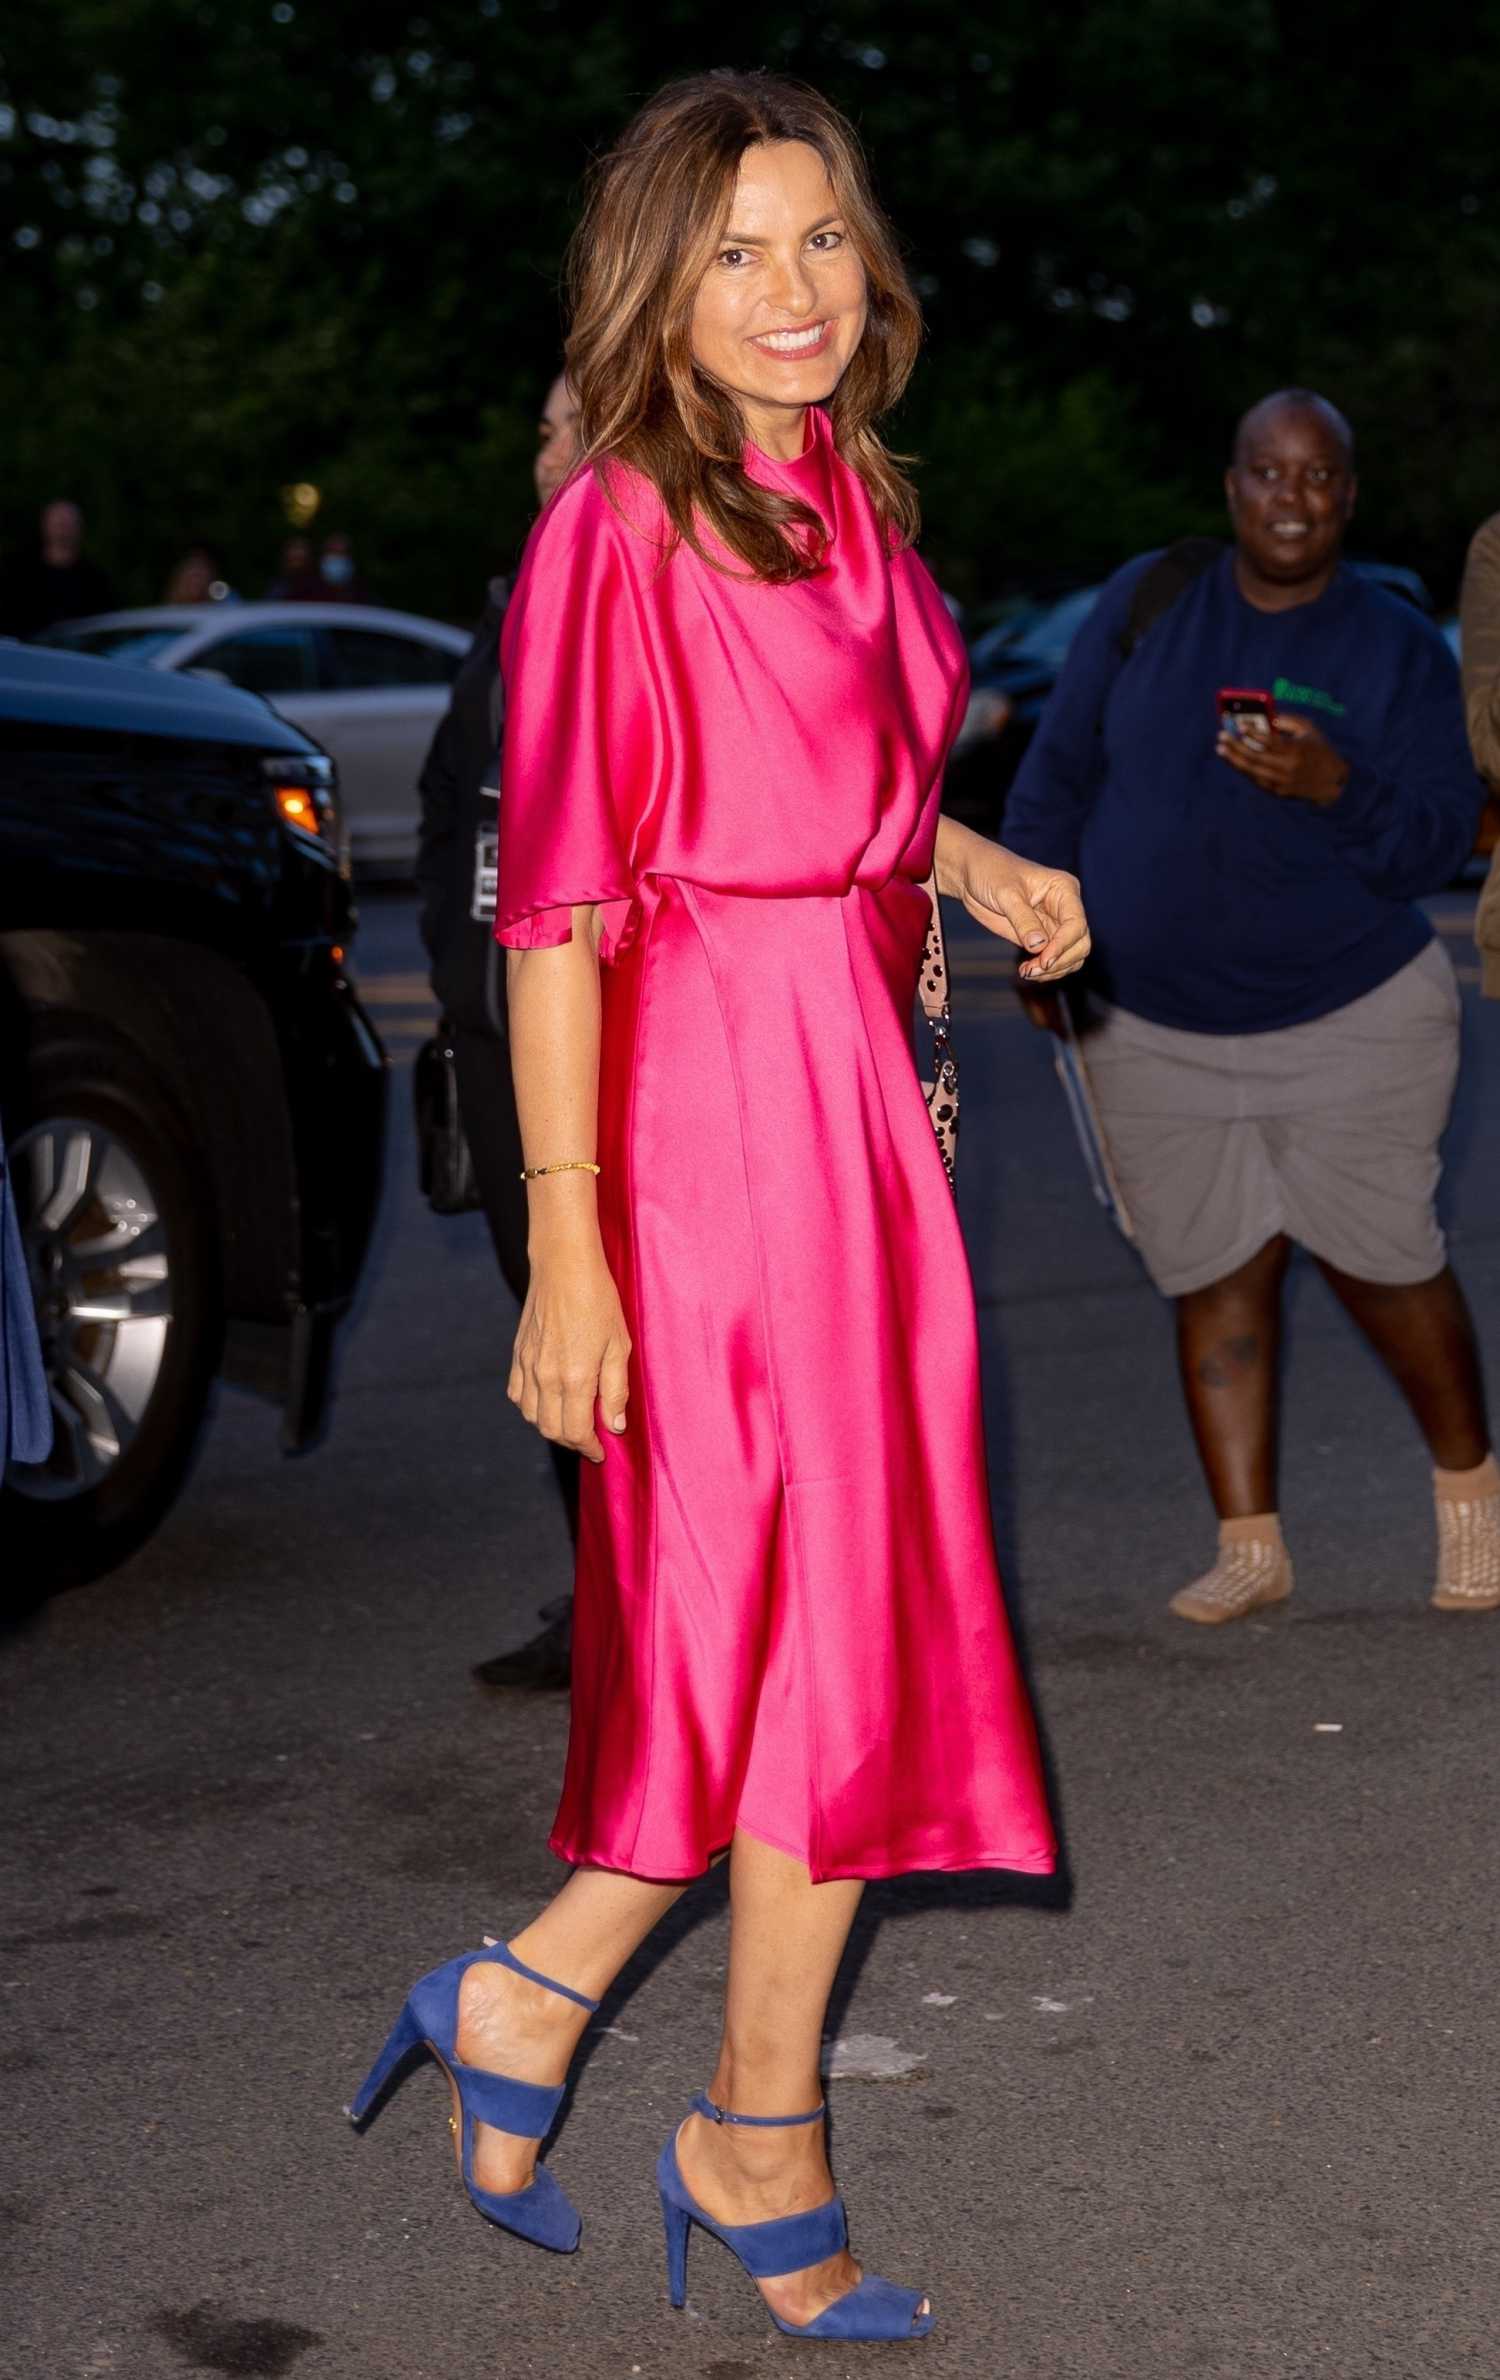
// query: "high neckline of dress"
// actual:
[[818, 435]]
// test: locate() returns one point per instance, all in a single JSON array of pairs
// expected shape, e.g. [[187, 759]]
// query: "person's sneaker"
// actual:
[[1249, 1573], [1468, 1574], [543, 1665]]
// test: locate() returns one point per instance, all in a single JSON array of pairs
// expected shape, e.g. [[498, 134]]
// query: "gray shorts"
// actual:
[[1327, 1131]]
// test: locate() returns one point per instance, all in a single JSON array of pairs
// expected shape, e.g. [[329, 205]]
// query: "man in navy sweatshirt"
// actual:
[[1273, 1031]]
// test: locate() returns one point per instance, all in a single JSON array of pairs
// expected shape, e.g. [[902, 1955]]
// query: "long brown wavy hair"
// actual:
[[657, 207]]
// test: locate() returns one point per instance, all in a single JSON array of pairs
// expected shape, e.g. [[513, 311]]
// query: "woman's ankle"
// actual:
[[501, 2010], [746, 2150], [753, 2177], [747, 2087]]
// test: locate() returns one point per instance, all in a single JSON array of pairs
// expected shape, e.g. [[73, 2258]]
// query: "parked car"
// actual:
[[369, 685], [1013, 668], [192, 1095]]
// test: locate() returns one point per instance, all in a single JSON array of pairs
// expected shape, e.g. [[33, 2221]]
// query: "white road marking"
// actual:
[[868, 2057]]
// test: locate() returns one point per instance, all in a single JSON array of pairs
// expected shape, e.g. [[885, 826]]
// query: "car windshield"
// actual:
[[1034, 634], [1047, 639], [1016, 616], [114, 644]]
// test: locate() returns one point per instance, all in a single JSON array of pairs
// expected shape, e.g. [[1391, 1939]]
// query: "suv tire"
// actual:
[[117, 1220]]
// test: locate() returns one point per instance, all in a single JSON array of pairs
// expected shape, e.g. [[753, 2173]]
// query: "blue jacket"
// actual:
[[1215, 906]]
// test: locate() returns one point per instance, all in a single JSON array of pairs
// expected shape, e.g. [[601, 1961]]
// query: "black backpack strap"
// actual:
[[1157, 589]]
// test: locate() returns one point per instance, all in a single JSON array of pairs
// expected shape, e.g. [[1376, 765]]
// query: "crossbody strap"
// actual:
[[941, 1089], [933, 984]]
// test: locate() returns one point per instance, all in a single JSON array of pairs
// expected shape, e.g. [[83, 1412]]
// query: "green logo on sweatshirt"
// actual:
[[1311, 698]]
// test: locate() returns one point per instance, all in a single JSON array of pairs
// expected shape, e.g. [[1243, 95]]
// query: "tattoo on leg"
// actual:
[[1229, 1361]]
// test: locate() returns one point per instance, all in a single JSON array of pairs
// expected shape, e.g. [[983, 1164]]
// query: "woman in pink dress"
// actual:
[[731, 686]]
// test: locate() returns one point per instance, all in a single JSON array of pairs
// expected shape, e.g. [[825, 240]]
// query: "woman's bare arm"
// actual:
[[571, 1345], [1037, 908]]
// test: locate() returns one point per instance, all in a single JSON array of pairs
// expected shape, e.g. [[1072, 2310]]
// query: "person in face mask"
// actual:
[[339, 581]]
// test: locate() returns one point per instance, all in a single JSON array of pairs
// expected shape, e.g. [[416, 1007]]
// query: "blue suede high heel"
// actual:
[[873, 2309], [542, 2211]]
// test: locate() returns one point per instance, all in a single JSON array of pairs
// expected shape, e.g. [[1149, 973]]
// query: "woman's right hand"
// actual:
[[572, 1349]]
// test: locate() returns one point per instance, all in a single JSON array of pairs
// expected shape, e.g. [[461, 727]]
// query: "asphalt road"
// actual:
[[1219, 2104]]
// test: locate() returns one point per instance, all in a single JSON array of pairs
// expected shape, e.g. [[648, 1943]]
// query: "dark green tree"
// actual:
[[256, 242]]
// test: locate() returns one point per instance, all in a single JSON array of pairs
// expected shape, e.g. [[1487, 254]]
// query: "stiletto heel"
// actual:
[[678, 2223], [872, 2309], [429, 2020], [404, 2038]]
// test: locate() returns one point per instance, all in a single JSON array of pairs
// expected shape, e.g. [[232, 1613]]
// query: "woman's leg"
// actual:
[[583, 1938], [1229, 1350], [787, 1937], [1423, 1334]]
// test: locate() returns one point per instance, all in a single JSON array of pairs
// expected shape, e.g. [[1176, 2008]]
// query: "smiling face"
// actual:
[[781, 308], [1291, 490]]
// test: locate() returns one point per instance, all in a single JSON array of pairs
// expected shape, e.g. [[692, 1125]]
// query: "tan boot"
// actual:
[[1468, 1528], [1253, 1570]]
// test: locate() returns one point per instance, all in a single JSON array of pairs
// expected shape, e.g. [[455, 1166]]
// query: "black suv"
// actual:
[[193, 1098]]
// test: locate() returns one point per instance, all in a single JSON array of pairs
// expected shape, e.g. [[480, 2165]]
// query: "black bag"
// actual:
[[445, 1164]]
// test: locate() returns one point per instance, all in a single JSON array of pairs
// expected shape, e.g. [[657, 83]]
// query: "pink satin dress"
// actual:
[[788, 1614]]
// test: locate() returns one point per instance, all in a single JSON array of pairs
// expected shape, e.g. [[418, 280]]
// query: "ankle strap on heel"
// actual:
[[702, 2105], [506, 1957]]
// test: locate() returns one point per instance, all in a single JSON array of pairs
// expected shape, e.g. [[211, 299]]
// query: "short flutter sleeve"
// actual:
[[574, 669]]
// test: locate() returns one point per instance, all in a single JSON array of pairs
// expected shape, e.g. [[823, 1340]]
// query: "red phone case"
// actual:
[[1242, 708]]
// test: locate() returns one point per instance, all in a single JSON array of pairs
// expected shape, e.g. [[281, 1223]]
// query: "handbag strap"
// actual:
[[932, 984], [932, 987]]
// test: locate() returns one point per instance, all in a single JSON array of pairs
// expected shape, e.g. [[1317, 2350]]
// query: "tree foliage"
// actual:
[[255, 242]]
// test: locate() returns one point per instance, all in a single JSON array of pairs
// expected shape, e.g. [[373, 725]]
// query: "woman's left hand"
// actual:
[[1039, 909], [1300, 764]]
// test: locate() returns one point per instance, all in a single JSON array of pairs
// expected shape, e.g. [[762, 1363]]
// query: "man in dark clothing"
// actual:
[[1257, 784], [456, 881], [297, 579], [58, 581]]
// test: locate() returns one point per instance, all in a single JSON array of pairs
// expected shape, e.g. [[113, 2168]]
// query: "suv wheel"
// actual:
[[124, 1272]]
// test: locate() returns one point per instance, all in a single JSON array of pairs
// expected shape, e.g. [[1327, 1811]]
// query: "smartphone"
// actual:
[[1245, 710]]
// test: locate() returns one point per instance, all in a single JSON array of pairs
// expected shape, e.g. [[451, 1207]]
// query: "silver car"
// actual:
[[370, 685]]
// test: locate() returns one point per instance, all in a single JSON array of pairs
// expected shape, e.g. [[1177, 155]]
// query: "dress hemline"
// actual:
[[873, 1872]]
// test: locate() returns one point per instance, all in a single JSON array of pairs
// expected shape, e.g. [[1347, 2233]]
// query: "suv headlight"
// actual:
[[303, 786]]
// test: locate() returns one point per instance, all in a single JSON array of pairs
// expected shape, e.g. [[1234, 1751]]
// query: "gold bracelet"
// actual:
[[532, 1173]]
